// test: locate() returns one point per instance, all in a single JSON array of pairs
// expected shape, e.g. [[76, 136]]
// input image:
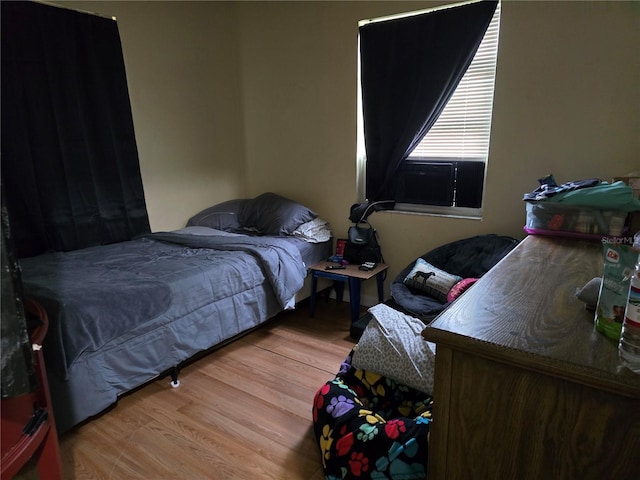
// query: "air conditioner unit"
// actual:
[[426, 183]]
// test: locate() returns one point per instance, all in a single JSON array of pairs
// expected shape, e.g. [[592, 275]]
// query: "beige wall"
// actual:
[[234, 99]]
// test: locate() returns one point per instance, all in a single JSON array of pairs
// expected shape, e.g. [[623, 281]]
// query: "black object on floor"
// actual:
[[358, 326]]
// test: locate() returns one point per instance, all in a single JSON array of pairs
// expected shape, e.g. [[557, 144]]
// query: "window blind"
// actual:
[[463, 128]]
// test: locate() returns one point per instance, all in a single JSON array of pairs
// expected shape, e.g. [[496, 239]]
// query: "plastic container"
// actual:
[[554, 218], [629, 345], [619, 262]]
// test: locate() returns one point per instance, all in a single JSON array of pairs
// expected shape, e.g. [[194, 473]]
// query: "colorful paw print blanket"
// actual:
[[370, 427]]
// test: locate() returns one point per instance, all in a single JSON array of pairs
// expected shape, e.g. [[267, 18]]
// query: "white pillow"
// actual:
[[392, 345], [315, 231]]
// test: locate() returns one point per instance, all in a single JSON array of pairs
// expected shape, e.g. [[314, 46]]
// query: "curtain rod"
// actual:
[[414, 13], [52, 4]]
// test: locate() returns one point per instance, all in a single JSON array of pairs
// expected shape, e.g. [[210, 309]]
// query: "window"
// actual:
[[445, 172]]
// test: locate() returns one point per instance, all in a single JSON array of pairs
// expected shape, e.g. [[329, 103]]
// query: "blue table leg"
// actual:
[[380, 280], [338, 286], [355, 285], [312, 301]]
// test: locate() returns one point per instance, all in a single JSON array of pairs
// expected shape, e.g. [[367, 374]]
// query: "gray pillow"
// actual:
[[272, 214], [223, 216]]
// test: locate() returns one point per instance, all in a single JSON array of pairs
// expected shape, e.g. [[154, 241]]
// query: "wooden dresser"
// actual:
[[525, 388]]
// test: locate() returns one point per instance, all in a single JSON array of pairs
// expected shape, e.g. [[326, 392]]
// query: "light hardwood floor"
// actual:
[[241, 412]]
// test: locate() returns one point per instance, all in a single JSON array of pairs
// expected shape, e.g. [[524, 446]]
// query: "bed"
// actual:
[[122, 314]]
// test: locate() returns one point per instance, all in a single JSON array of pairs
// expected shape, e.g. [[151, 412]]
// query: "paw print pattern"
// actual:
[[369, 427], [394, 428], [326, 440], [339, 406], [367, 432], [358, 464]]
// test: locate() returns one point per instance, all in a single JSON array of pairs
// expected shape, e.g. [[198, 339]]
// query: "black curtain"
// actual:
[[70, 169], [410, 67], [18, 374]]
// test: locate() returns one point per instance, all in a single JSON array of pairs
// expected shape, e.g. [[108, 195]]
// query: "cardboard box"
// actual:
[[633, 180], [633, 223]]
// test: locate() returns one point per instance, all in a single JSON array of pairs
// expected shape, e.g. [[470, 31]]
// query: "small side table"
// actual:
[[351, 275]]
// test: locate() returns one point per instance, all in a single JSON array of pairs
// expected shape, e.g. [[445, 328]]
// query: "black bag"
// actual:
[[362, 245]]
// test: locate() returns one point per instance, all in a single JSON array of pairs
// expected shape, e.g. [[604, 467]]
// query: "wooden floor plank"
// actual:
[[241, 412]]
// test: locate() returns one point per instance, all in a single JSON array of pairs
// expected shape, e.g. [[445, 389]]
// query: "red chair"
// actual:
[[28, 426]]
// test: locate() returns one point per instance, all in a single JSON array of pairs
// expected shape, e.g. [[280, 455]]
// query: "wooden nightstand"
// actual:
[[353, 276]]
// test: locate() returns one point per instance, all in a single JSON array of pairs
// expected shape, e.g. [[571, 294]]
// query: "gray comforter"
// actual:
[[282, 264], [98, 294]]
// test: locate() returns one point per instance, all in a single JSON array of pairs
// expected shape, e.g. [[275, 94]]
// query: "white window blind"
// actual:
[[462, 130]]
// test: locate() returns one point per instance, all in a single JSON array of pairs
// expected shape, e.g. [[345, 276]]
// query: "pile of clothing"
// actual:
[[592, 192]]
